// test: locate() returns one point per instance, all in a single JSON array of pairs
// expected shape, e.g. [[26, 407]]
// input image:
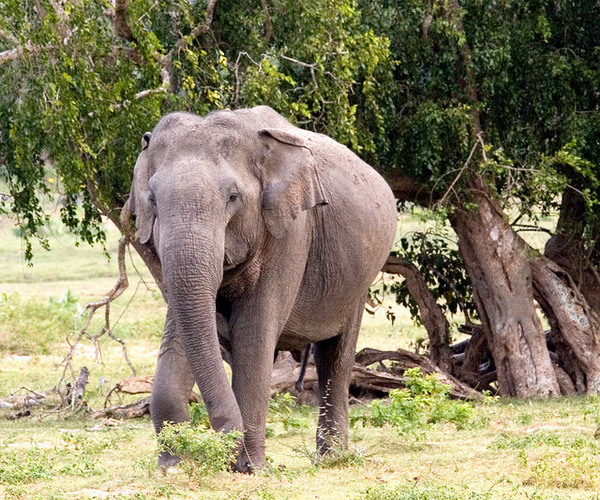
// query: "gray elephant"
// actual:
[[277, 231]]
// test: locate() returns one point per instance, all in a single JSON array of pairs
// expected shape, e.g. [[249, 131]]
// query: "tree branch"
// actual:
[[91, 308], [196, 32], [122, 29], [433, 319], [268, 22]]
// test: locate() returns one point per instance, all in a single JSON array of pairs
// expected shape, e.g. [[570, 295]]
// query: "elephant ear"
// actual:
[[139, 199], [290, 181]]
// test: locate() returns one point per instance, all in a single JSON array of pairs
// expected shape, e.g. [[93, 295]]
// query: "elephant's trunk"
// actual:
[[193, 268]]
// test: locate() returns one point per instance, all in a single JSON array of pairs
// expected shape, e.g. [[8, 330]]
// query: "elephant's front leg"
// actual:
[[256, 322], [252, 365], [172, 386]]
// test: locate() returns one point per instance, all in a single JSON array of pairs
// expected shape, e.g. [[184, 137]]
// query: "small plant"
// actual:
[[524, 418], [282, 410], [423, 403], [199, 416], [146, 463], [348, 456], [203, 452], [337, 456]]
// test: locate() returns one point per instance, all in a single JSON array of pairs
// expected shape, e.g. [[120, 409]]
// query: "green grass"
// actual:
[[529, 450]]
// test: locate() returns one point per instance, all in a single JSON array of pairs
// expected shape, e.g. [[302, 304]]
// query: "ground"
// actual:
[[544, 450]]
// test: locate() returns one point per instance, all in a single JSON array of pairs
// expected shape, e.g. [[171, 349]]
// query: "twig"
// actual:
[[25, 388], [236, 69], [90, 310], [464, 167], [312, 68]]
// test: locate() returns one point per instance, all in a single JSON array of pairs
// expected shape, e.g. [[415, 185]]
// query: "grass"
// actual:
[[529, 450]]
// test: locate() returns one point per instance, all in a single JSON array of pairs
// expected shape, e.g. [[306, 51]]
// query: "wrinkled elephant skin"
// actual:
[[277, 233]]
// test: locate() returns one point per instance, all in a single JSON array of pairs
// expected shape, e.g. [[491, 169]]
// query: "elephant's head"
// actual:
[[208, 191]]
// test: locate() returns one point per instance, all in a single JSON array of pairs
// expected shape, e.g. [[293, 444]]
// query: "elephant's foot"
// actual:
[[166, 460], [329, 442], [248, 465]]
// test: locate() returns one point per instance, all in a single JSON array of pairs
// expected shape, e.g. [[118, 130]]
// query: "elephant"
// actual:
[[276, 234]]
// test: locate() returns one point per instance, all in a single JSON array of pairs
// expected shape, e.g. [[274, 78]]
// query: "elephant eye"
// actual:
[[233, 196], [152, 199]]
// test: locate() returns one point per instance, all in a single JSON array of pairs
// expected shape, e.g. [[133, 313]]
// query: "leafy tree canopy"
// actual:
[[416, 87], [81, 83]]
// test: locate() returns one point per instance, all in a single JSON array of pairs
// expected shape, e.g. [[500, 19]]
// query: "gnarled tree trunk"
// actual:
[[498, 264], [573, 320]]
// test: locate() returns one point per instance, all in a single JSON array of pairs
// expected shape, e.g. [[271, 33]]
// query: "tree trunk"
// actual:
[[567, 247], [497, 262], [572, 319]]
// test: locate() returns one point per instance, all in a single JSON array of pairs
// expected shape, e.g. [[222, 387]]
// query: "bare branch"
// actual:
[[312, 68], [90, 310], [268, 22], [300, 63], [464, 167]]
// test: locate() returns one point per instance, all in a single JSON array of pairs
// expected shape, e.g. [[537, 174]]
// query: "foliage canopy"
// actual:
[[399, 81]]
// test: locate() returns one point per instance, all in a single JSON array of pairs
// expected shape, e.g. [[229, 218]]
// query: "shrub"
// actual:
[[203, 452], [424, 402]]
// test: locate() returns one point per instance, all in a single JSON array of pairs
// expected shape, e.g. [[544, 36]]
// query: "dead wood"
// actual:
[[398, 362], [132, 410], [366, 382], [20, 402], [136, 385], [82, 381]]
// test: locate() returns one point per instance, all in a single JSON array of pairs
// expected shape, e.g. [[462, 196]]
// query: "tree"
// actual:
[[82, 81], [498, 98]]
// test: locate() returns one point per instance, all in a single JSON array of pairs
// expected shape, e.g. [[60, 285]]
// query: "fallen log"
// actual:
[[366, 382], [132, 410], [388, 378], [21, 405]]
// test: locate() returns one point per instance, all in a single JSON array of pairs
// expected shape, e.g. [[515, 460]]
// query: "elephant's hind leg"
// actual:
[[172, 387], [334, 359]]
